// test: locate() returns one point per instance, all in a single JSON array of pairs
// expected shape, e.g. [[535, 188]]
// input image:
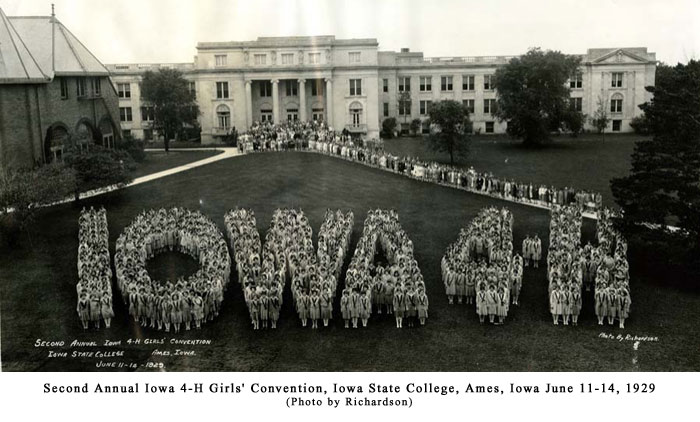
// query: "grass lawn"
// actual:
[[586, 162], [158, 161], [37, 285]]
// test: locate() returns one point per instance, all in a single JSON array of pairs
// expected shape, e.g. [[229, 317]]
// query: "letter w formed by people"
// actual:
[[288, 253]]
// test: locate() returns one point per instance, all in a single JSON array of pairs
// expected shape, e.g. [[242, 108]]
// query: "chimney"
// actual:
[[405, 50]]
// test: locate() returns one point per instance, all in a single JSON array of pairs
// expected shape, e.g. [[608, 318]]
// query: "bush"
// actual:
[[388, 128], [23, 191], [134, 147], [415, 126], [100, 167], [640, 125]]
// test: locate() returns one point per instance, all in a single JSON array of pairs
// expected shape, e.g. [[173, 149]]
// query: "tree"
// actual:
[[388, 127], [600, 119], [415, 126], [404, 100], [452, 128], [533, 95], [174, 105], [663, 187], [24, 191], [100, 167]]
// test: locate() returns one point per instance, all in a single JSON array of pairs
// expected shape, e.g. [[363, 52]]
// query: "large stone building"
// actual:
[[53, 92], [352, 85]]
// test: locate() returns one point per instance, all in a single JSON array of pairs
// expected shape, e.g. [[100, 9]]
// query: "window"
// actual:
[[469, 104], [467, 82], [385, 85], [96, 87], [147, 114], [576, 104], [355, 86], [425, 127], [446, 83], [489, 106], [265, 89], [292, 88], [616, 125], [617, 79], [314, 58], [354, 56], [616, 103], [425, 83], [124, 90], [148, 134], [404, 83], [223, 117], [126, 133], [220, 60], [125, 114], [355, 114], [386, 109], [287, 58], [576, 81], [266, 115], [425, 107], [221, 90], [404, 108], [64, 88], [82, 87], [317, 114], [192, 88], [489, 127], [317, 88], [292, 114], [260, 59], [488, 82]]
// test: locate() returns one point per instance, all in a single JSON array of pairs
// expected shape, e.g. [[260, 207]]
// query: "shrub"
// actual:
[[388, 128], [134, 147]]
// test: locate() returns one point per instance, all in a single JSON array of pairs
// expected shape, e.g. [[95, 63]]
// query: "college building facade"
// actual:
[[351, 84], [54, 94]]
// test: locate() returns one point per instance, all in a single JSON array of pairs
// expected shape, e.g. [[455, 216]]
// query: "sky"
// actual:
[[160, 31]]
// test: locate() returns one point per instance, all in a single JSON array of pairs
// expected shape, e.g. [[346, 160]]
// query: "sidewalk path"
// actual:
[[228, 152]]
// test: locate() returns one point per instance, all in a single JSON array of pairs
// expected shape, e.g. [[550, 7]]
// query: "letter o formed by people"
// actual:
[[174, 303]]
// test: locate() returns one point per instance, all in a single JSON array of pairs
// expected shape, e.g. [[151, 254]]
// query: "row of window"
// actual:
[[124, 89], [291, 89], [125, 114], [82, 87], [425, 83], [424, 107], [260, 59]]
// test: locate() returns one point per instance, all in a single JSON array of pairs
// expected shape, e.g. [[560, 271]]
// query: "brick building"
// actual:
[[53, 92], [352, 85]]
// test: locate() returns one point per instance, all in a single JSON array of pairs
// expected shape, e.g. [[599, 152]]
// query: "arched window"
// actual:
[[223, 116], [355, 114], [616, 103]]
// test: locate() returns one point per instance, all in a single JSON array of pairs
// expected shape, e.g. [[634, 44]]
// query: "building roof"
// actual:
[[317, 41], [17, 65], [38, 48]]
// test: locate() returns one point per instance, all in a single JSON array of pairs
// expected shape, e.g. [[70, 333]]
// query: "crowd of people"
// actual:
[[573, 269], [94, 269], [172, 303], [288, 252], [397, 286], [480, 268], [319, 138]]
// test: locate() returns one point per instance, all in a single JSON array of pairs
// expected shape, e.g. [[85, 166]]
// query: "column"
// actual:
[[329, 102], [302, 100], [248, 104], [275, 101]]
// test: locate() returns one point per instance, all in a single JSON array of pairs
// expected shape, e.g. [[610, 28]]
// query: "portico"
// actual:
[[287, 98]]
